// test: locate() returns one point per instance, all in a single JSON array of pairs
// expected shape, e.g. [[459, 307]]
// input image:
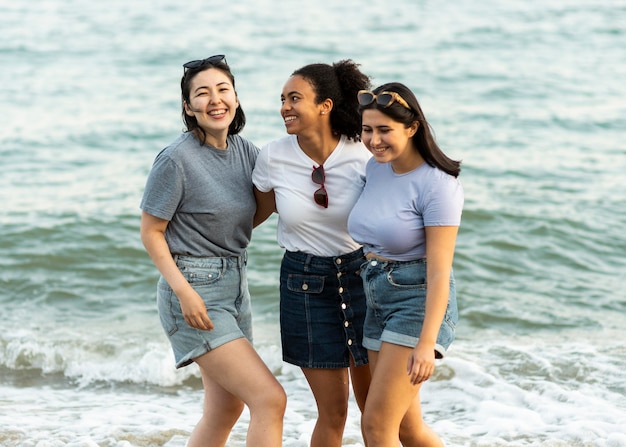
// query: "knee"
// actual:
[[272, 401], [279, 400], [372, 427], [335, 414]]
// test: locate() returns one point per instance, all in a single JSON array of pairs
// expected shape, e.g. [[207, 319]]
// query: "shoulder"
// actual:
[[243, 145], [441, 184], [440, 177], [282, 143], [178, 149], [280, 147], [353, 151], [180, 144]]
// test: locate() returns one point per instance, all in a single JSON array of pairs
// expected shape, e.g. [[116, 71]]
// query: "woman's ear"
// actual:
[[326, 106], [413, 128], [188, 111]]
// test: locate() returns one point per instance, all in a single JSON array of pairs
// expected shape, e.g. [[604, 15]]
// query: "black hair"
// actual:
[[423, 139], [191, 123], [339, 82]]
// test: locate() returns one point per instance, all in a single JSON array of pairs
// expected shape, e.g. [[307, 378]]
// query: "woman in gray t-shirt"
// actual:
[[198, 209]]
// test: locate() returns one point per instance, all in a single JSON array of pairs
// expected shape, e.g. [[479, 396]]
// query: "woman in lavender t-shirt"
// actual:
[[407, 219]]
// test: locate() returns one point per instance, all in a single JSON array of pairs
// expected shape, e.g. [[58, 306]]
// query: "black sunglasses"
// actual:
[[384, 99], [319, 177], [213, 60]]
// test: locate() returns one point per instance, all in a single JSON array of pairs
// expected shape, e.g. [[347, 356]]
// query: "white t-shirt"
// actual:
[[304, 225]]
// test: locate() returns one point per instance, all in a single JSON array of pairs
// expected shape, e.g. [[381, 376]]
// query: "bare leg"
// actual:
[[414, 432], [361, 377], [234, 375], [330, 388], [221, 412], [392, 400]]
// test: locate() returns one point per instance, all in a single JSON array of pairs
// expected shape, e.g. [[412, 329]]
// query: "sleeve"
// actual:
[[164, 189], [261, 173], [444, 204]]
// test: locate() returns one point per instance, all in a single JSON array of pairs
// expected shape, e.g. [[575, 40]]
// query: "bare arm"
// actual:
[[265, 206], [440, 242], [153, 238]]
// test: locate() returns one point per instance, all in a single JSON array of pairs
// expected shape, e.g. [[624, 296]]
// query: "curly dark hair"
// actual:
[[191, 123], [424, 140], [339, 82]]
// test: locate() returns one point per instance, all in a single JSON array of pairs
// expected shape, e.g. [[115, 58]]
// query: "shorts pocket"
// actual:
[[407, 277], [168, 307], [201, 276], [305, 283]]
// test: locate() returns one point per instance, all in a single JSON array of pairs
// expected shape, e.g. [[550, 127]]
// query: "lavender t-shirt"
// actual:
[[393, 209]]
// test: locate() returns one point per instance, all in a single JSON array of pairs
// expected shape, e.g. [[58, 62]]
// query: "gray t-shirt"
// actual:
[[206, 194]]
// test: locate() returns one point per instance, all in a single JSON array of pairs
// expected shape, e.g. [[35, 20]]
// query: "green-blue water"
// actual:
[[531, 96]]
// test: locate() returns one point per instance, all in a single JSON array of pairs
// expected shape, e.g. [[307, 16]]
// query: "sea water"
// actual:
[[530, 95]]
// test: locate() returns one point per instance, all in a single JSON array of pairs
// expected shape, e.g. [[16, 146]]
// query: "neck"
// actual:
[[411, 161], [318, 146], [215, 140]]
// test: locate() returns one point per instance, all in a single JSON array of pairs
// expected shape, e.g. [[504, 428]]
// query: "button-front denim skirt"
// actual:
[[322, 309]]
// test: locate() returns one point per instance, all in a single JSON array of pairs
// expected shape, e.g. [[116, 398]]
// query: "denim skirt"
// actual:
[[322, 309], [396, 305], [223, 285]]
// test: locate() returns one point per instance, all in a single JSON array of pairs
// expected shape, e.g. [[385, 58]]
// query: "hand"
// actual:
[[421, 364], [195, 311]]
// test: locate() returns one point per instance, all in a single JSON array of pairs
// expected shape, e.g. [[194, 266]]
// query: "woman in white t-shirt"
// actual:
[[312, 177]]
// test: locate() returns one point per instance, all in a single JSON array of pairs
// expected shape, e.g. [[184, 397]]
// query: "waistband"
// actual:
[[240, 260], [300, 256], [374, 258]]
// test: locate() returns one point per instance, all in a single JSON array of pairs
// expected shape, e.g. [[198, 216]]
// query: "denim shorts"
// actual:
[[396, 304], [322, 309], [223, 285]]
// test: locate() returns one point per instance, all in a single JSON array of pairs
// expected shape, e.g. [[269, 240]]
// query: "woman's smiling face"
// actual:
[[298, 109], [388, 140], [212, 100]]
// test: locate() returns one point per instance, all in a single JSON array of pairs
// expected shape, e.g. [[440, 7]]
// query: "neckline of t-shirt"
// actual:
[[213, 149], [412, 171], [329, 161]]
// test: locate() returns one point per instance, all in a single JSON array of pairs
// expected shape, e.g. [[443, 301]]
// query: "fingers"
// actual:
[[200, 321], [419, 372]]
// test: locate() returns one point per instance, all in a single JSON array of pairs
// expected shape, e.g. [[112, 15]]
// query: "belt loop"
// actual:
[[175, 259], [307, 262]]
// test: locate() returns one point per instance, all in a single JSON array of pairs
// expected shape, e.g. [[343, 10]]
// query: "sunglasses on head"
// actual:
[[319, 177], [213, 60], [383, 99]]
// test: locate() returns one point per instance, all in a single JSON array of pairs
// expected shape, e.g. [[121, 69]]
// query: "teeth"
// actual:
[[289, 118], [217, 112]]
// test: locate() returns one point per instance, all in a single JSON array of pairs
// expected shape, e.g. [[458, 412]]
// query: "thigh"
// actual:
[[391, 393], [329, 387], [237, 368], [360, 377]]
